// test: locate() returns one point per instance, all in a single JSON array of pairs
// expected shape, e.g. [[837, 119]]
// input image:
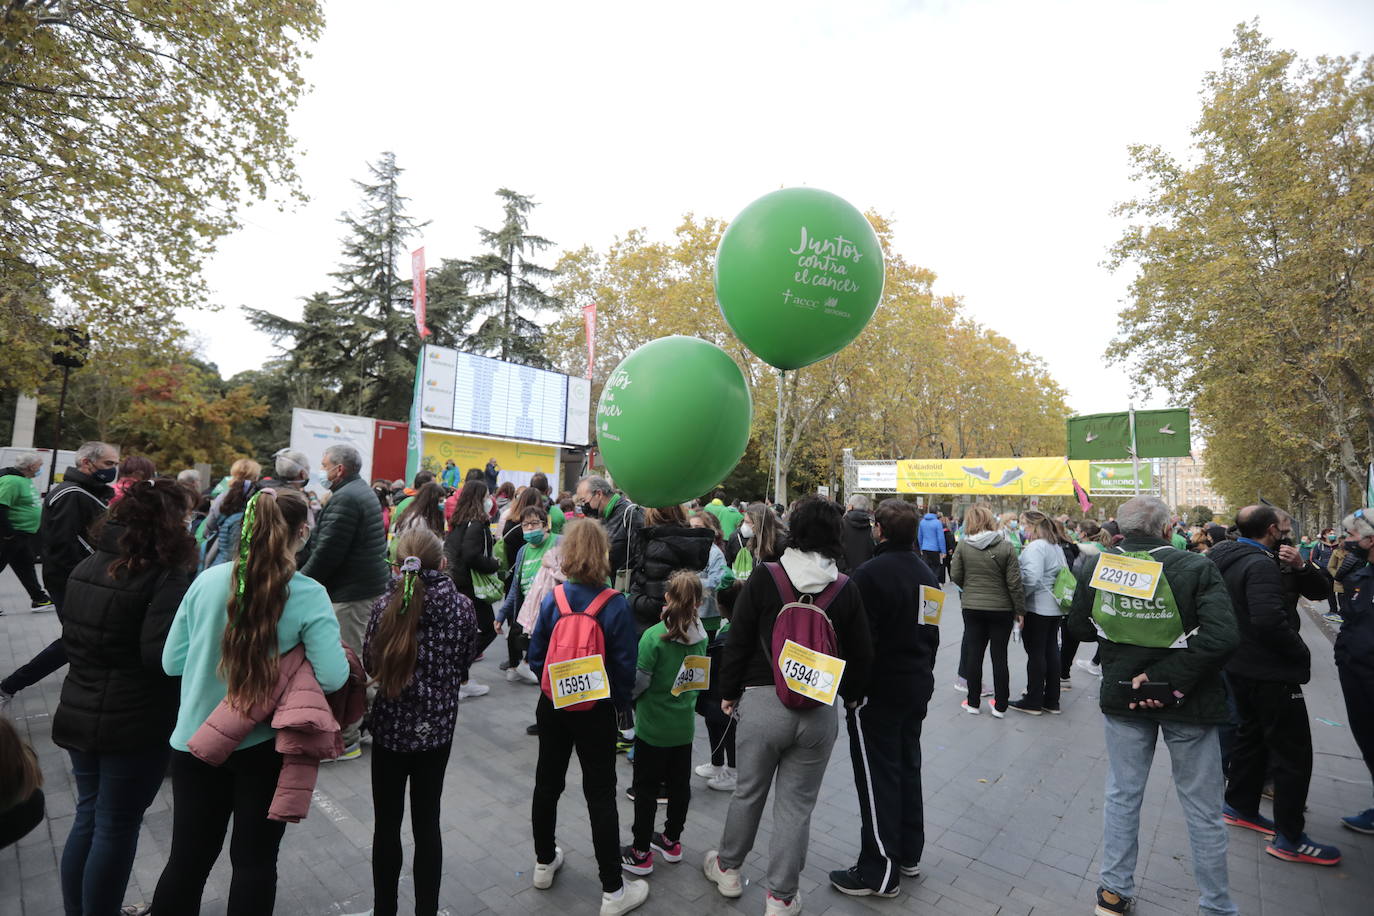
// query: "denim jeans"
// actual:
[[113, 791], [1195, 756]]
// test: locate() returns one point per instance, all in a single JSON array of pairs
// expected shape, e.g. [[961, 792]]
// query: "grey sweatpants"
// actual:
[[353, 617], [793, 746]]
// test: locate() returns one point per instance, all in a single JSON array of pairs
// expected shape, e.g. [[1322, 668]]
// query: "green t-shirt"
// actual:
[[21, 499], [1179, 541], [531, 558], [728, 516], [556, 519], [662, 719], [397, 509]]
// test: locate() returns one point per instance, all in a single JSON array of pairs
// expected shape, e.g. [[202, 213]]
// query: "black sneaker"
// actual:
[[911, 871], [1022, 706], [636, 862], [1110, 903], [630, 794], [42, 604], [532, 729], [847, 881]]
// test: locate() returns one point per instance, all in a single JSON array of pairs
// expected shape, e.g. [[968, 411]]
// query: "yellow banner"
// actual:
[[991, 476], [474, 452]]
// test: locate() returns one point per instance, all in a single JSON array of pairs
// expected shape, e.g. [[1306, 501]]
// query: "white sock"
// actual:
[[615, 894]]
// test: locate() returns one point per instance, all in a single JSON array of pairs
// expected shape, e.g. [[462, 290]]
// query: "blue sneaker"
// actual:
[[1304, 850], [1360, 823], [1256, 822]]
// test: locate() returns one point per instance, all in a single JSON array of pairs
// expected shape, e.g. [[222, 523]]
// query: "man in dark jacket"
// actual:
[[1354, 650], [885, 728], [858, 533], [597, 499], [665, 546], [1266, 676], [69, 510], [346, 554], [19, 515], [1179, 638]]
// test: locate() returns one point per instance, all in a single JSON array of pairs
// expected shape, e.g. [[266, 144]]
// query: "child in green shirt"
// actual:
[[671, 668]]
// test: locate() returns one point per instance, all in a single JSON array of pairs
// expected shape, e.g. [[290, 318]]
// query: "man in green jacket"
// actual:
[[346, 554], [1178, 637], [19, 512]]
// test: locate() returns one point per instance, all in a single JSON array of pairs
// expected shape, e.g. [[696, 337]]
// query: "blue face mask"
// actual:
[[106, 475], [535, 537]]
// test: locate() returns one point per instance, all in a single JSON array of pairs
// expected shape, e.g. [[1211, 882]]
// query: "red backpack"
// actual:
[[804, 621], [575, 634]]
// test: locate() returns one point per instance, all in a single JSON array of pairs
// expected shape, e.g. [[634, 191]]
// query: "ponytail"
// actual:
[[258, 590], [681, 600], [395, 644]]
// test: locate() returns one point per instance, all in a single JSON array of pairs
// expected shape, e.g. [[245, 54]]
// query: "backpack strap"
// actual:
[[560, 596], [600, 601], [785, 590]]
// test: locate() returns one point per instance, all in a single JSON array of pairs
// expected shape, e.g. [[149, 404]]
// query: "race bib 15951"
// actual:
[[579, 680]]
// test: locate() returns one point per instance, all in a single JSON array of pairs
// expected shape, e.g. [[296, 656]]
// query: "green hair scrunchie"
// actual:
[[409, 569], [250, 517]]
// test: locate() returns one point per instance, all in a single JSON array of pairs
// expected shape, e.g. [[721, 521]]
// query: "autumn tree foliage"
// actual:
[[1253, 275]]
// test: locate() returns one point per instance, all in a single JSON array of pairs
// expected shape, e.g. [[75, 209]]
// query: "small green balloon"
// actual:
[[799, 274], [673, 420]]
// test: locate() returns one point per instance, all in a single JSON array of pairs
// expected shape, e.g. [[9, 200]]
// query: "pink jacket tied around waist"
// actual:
[[308, 726]]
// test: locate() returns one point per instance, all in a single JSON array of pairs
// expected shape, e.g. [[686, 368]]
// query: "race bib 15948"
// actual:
[[810, 673], [579, 680]]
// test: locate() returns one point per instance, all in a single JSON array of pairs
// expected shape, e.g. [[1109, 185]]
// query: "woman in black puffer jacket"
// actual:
[[664, 545], [118, 708]]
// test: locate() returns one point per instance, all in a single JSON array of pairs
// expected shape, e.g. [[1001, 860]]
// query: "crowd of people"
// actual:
[[237, 637]]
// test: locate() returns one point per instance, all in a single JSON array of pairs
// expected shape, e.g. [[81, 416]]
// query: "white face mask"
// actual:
[[746, 531]]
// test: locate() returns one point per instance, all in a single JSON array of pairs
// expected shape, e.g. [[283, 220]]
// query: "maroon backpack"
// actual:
[[804, 621]]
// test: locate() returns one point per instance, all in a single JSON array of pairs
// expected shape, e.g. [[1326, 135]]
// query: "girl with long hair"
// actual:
[[424, 510], [664, 723], [420, 640], [118, 707], [219, 536], [226, 641], [468, 549], [585, 551]]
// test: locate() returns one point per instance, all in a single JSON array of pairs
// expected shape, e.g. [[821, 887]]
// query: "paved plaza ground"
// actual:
[[1013, 816]]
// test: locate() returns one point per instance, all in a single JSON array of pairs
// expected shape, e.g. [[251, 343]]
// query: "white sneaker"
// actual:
[[996, 713], [511, 675], [961, 685], [523, 672], [1088, 666], [776, 907], [971, 710], [724, 781], [473, 689], [707, 770], [727, 880], [632, 893], [543, 874], [5, 699]]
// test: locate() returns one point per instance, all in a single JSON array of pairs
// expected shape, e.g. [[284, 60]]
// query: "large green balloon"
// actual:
[[673, 420], [798, 274]]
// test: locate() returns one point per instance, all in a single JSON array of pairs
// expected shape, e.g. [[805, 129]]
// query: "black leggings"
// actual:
[[592, 733], [424, 771], [984, 630], [654, 767], [720, 731], [486, 624], [516, 643], [1040, 635], [204, 798]]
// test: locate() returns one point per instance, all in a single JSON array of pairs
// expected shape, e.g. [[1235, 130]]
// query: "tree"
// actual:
[[1251, 297], [178, 418], [508, 280], [130, 135], [1200, 516], [922, 379]]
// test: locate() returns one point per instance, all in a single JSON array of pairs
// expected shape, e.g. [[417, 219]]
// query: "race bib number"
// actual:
[[932, 605], [1128, 576], [579, 680], [695, 674], [810, 673]]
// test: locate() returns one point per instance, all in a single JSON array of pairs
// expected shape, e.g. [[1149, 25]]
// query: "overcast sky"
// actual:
[[993, 132]]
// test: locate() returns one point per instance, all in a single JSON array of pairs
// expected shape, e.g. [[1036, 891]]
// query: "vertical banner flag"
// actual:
[[413, 444], [589, 320], [417, 290]]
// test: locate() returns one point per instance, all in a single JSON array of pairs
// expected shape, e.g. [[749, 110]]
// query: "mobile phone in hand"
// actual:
[[1154, 690]]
